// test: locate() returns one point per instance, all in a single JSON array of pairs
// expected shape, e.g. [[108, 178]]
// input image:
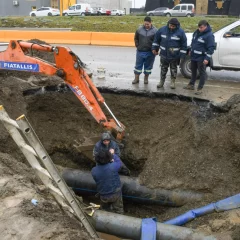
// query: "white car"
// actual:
[[45, 11], [116, 12]]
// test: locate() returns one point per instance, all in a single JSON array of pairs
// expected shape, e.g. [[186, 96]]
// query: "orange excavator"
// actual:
[[68, 66]]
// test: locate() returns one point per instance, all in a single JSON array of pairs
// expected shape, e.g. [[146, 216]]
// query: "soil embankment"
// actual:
[[169, 144]]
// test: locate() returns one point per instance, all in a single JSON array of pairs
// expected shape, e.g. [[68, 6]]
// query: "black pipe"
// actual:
[[130, 228], [83, 183]]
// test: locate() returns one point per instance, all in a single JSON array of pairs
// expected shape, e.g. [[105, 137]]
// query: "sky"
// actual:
[[138, 3]]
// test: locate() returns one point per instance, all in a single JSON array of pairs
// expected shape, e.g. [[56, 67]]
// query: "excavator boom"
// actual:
[[68, 66]]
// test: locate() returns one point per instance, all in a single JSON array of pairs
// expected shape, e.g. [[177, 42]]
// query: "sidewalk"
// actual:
[[214, 91]]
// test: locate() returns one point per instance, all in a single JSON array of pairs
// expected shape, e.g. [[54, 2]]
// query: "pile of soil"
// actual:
[[169, 144], [19, 218]]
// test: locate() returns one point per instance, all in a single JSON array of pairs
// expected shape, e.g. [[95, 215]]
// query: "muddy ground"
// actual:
[[170, 144]]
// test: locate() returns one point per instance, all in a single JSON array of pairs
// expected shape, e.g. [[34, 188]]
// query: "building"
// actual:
[[23, 7], [20, 7], [203, 7]]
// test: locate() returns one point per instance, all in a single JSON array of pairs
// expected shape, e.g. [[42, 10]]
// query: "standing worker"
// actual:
[[108, 182], [143, 41], [172, 42], [202, 48]]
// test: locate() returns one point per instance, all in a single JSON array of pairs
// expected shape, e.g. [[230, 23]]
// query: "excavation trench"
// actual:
[[172, 142]]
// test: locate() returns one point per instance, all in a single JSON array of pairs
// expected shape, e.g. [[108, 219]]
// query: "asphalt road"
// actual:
[[121, 60], [118, 63]]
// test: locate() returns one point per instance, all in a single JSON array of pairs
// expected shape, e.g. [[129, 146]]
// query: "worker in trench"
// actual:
[[144, 57], [171, 40], [108, 182], [108, 144]]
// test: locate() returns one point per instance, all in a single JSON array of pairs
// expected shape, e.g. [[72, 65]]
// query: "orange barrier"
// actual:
[[48, 36], [84, 38], [112, 39]]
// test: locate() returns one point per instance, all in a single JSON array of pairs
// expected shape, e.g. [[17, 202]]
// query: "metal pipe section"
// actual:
[[220, 206], [83, 183], [130, 228]]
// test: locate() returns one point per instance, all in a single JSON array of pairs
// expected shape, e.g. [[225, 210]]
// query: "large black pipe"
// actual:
[[82, 182], [130, 228]]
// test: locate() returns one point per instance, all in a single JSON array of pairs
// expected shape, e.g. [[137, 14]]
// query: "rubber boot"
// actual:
[[160, 85], [136, 79], [172, 85], [146, 78]]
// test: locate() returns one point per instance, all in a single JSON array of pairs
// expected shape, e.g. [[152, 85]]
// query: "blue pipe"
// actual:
[[220, 206]]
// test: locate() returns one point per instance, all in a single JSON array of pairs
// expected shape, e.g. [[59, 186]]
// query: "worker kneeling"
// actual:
[[108, 182]]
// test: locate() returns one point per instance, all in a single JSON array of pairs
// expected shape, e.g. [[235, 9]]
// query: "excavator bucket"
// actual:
[[85, 146]]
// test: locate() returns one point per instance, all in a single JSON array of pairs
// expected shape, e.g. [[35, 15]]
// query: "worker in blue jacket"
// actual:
[[171, 40], [108, 182], [202, 48], [108, 144]]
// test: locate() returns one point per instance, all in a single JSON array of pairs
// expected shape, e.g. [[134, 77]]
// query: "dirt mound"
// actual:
[[200, 155], [22, 219]]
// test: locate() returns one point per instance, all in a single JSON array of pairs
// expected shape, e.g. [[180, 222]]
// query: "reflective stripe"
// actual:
[[175, 49], [209, 55], [164, 36], [136, 70], [201, 40], [175, 38], [148, 71], [197, 52], [183, 51], [163, 48], [155, 44]]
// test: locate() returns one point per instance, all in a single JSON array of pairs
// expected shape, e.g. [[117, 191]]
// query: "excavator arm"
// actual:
[[68, 66]]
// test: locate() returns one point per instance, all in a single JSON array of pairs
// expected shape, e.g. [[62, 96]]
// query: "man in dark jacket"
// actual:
[[172, 43], [108, 182], [202, 48], [107, 144], [143, 41]]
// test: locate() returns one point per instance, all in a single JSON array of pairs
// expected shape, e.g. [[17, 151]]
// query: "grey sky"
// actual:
[[138, 3]]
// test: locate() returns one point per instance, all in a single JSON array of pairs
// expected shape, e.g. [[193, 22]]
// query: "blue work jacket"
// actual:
[[172, 44], [203, 45], [107, 178]]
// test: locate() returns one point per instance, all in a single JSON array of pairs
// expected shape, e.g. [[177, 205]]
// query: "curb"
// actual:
[[82, 38]]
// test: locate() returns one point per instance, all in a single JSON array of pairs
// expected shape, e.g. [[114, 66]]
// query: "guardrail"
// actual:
[[82, 38]]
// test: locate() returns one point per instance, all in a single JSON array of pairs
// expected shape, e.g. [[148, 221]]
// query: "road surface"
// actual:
[[119, 64]]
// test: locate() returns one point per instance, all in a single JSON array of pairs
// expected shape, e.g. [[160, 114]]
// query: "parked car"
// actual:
[[181, 10], [157, 12], [45, 11], [227, 53], [108, 12], [116, 12], [78, 10], [100, 11]]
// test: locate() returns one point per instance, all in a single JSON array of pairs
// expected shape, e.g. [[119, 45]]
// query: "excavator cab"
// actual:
[[19, 57]]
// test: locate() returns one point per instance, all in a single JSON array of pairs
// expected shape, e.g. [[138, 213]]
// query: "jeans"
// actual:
[[145, 59], [165, 63], [201, 67]]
